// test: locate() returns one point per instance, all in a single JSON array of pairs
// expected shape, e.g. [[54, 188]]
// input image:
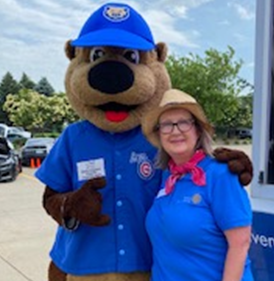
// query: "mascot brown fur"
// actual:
[[112, 87]]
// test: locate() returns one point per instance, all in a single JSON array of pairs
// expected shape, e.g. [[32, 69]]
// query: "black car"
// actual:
[[245, 134], [36, 149], [10, 162]]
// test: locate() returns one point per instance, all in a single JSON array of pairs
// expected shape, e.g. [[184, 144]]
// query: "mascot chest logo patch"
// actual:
[[144, 166], [146, 170], [116, 14]]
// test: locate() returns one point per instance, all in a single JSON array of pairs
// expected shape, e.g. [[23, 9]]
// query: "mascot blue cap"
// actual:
[[117, 25]]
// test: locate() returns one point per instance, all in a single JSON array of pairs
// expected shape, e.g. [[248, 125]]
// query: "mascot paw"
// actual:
[[56, 274], [85, 204], [238, 162]]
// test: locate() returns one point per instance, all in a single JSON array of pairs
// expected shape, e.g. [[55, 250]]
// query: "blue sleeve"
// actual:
[[56, 169], [229, 200]]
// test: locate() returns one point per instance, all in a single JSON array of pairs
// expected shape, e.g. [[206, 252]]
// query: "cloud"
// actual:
[[243, 12], [35, 31], [240, 37], [186, 3], [224, 22]]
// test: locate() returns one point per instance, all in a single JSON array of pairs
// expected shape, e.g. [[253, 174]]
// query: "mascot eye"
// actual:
[[96, 53], [132, 56]]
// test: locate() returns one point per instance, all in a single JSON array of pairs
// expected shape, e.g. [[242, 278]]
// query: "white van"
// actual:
[[12, 133]]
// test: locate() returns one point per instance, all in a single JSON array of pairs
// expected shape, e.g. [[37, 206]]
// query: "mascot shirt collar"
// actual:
[[117, 25]]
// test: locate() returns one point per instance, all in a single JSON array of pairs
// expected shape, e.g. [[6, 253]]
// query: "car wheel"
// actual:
[[13, 174], [20, 166]]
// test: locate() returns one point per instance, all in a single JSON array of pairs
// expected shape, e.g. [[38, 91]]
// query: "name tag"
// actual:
[[91, 169]]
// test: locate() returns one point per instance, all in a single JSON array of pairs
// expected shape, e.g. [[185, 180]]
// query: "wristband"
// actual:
[[68, 223]]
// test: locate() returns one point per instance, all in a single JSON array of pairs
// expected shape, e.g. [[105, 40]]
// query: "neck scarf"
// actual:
[[198, 174]]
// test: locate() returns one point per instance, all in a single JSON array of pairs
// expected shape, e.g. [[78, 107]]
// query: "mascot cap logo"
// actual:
[[116, 25]]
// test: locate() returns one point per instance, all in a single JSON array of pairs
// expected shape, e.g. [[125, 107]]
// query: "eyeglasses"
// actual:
[[182, 125]]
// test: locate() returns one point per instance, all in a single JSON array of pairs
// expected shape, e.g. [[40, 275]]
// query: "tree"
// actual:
[[26, 82], [39, 113], [8, 86], [245, 111], [212, 80], [43, 87]]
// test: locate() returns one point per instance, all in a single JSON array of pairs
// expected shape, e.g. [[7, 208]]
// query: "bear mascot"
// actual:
[[99, 177]]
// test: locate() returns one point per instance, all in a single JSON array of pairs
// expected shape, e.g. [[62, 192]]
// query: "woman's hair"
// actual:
[[204, 142]]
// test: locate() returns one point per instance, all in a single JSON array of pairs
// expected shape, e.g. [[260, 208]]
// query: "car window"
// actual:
[[38, 141], [2, 132]]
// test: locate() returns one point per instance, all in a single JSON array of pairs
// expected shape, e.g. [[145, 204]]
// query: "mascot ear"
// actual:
[[69, 50], [161, 49]]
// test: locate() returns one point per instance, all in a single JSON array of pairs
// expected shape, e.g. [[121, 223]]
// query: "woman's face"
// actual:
[[179, 140]]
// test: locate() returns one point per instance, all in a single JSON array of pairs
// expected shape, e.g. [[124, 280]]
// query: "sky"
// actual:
[[33, 32]]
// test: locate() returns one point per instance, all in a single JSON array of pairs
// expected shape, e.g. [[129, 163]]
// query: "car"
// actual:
[[36, 149], [13, 133], [10, 162], [244, 133]]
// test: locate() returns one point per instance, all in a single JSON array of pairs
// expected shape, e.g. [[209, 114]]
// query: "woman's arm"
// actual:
[[238, 244]]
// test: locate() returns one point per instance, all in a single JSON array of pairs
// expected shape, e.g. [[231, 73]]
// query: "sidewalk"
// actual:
[[26, 232]]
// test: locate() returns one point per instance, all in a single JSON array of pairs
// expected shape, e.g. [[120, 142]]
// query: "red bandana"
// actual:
[[198, 174]]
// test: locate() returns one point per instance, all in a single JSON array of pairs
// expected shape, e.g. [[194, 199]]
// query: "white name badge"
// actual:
[[91, 169]]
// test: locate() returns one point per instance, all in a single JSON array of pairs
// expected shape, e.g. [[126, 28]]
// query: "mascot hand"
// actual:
[[238, 162], [85, 204]]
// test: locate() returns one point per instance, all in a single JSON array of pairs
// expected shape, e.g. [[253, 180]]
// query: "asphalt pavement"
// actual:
[[26, 231]]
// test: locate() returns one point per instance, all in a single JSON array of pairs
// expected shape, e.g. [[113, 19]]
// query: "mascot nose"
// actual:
[[111, 77]]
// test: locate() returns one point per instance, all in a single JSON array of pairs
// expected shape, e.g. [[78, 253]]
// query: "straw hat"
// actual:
[[173, 99]]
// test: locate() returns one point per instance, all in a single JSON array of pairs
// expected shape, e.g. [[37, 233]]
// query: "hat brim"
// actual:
[[151, 119], [113, 37]]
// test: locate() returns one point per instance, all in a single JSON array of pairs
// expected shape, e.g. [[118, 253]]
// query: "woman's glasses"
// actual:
[[182, 125]]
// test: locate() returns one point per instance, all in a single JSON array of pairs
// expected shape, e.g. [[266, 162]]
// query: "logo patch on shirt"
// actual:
[[91, 169], [196, 198], [144, 166], [146, 170], [115, 13]]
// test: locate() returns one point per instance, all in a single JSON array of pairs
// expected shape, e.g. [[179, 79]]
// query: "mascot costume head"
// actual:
[[116, 72], [99, 176]]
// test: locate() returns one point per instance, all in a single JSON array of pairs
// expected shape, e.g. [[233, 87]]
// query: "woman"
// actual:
[[200, 221]]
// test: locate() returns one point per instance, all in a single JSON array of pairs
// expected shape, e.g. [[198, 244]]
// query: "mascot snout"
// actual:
[[111, 77]]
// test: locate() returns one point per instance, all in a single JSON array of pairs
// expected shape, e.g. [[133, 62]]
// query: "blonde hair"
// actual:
[[204, 142]]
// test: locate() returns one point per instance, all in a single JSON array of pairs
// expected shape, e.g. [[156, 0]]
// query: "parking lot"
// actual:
[[26, 232]]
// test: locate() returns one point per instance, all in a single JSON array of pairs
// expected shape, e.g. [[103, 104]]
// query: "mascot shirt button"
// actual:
[[119, 203], [118, 177], [120, 227], [122, 252]]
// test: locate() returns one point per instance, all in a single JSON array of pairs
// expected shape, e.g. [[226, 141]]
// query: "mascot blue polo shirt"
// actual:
[[125, 159], [186, 227]]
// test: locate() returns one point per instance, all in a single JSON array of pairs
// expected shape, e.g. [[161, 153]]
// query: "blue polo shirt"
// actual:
[[187, 226], [125, 159]]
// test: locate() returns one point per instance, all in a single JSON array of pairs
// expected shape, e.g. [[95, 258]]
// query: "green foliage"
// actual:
[[47, 135], [43, 87], [18, 143], [26, 82], [214, 82], [8, 86], [39, 113]]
